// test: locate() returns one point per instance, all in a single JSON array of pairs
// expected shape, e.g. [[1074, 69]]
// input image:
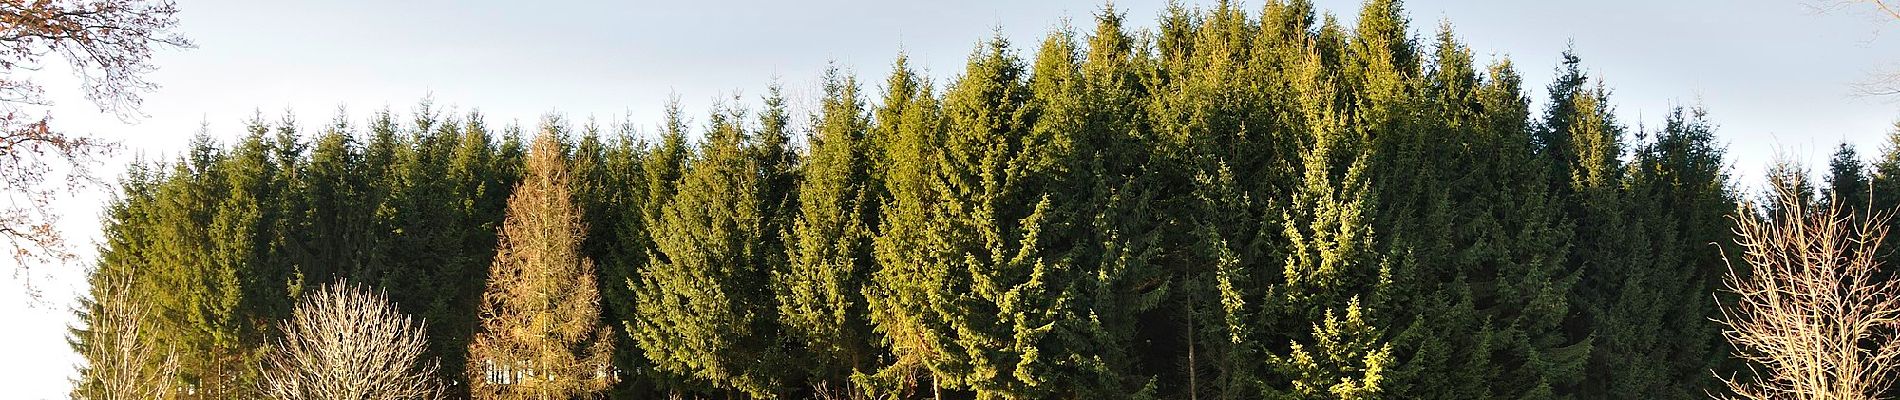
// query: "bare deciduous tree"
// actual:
[[1883, 82], [345, 342], [109, 45], [120, 363], [1811, 316]]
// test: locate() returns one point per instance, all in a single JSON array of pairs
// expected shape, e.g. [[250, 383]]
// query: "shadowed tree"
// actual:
[[1848, 186]]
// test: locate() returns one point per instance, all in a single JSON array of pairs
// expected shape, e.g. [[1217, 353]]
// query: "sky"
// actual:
[[1775, 75]]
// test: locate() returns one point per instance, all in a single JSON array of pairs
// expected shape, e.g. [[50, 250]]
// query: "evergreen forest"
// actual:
[[1219, 202]]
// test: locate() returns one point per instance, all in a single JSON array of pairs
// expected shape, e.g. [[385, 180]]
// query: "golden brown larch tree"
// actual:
[[541, 336]]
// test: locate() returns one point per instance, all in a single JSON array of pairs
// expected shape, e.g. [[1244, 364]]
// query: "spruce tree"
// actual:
[[1885, 176], [704, 309], [1224, 167], [1332, 276], [479, 199], [906, 284], [1109, 167], [1849, 187], [610, 188], [120, 340], [1680, 188], [1007, 286], [1516, 237], [337, 227], [1625, 301], [820, 293], [660, 167]]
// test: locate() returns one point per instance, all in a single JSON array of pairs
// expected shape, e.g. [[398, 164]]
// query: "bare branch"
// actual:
[[122, 364], [1882, 83], [1811, 315], [346, 343], [109, 45]]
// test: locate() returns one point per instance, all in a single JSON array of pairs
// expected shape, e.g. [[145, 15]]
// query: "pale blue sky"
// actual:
[[1773, 74]]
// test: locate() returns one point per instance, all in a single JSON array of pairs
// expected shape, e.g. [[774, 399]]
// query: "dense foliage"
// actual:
[[1233, 205]]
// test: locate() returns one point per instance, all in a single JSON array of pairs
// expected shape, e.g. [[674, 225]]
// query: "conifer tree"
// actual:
[[122, 358], [1849, 187], [1446, 355], [251, 282], [1884, 178], [905, 286], [1583, 144], [1109, 168], [1224, 166], [336, 227], [1007, 285], [655, 180], [1518, 236], [425, 269], [480, 186], [1620, 244], [611, 188], [662, 168], [1332, 276], [540, 334], [704, 309], [776, 163], [820, 293], [1680, 190]]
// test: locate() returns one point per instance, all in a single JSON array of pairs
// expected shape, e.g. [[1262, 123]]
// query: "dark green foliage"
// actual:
[[611, 189], [1110, 171], [704, 308], [224, 240], [1848, 186], [1680, 191], [1885, 177], [1234, 205]]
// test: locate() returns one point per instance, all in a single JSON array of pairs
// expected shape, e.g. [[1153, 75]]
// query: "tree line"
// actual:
[[1234, 204]]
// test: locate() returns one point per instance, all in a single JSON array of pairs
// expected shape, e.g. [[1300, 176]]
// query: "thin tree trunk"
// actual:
[[1192, 368]]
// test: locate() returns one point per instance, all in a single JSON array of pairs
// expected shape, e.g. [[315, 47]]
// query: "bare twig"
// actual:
[[1883, 82], [109, 45], [1811, 315], [121, 364], [344, 343]]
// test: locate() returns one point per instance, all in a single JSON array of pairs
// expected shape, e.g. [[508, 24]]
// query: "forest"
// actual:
[[1225, 203]]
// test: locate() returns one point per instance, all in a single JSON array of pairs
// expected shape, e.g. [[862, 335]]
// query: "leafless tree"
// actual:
[[109, 45], [1883, 82], [1811, 316], [345, 342], [120, 363]]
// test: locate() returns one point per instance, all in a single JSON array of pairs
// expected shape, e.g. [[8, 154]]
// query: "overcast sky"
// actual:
[[1775, 76]]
